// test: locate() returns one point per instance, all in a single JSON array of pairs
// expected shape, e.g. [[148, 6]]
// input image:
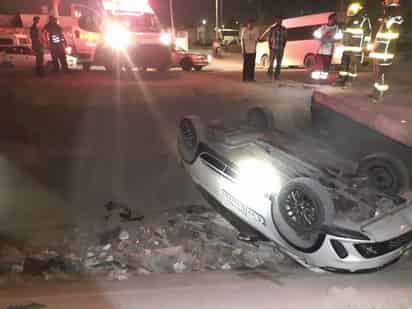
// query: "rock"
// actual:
[[220, 228], [124, 235], [109, 235], [170, 251], [226, 266], [110, 258], [17, 268], [10, 256], [251, 259], [118, 274], [143, 271], [107, 247], [35, 265], [179, 267]]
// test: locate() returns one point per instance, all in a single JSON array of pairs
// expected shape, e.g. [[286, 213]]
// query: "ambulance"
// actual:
[[122, 34]]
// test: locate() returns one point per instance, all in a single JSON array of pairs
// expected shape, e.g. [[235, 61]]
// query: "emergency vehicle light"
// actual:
[[117, 36], [130, 6], [354, 9]]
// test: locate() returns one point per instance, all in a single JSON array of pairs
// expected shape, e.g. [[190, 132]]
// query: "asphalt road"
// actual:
[[286, 289], [71, 143]]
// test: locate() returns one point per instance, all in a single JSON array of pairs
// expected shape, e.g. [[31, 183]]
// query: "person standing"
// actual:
[[328, 35], [249, 39], [277, 39], [57, 44], [356, 37], [37, 45]]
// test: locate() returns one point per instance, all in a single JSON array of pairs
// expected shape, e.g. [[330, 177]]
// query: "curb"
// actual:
[[383, 118]]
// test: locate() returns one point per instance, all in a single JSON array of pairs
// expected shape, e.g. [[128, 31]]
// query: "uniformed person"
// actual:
[[356, 38], [57, 44], [37, 45], [384, 46]]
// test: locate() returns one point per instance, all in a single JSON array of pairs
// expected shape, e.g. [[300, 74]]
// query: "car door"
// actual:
[[28, 59], [12, 56], [87, 29]]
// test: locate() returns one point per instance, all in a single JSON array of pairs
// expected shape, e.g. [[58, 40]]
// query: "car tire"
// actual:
[[264, 61], [198, 68], [49, 67], [260, 118], [385, 173], [300, 210], [309, 62], [87, 66], [186, 65], [191, 134]]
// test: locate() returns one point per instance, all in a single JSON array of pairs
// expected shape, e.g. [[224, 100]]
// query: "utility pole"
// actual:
[[217, 20], [55, 8], [222, 21], [172, 20]]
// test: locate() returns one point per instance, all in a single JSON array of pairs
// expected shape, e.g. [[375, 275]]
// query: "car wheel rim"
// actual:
[[188, 132], [382, 178], [299, 210]]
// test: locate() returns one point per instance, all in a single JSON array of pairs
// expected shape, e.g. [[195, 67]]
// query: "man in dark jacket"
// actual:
[[37, 45], [57, 44], [277, 38]]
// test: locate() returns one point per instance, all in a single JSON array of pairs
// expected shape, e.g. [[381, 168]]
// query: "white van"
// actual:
[[301, 47]]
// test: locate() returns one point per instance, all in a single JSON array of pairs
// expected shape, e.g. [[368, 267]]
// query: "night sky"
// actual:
[[191, 12]]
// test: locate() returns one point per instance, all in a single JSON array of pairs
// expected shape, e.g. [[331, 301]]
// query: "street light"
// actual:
[[204, 22]]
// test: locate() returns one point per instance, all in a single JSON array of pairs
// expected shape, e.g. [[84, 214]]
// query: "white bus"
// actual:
[[301, 47]]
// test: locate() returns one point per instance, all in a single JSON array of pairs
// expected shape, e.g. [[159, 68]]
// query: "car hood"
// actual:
[[390, 224]]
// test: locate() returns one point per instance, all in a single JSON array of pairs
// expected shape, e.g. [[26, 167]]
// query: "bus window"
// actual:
[[301, 33]]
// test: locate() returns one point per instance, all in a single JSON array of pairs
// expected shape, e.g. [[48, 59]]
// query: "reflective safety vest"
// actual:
[[357, 34], [385, 40]]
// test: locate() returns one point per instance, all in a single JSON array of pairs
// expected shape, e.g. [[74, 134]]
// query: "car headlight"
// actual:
[[209, 58], [258, 177], [117, 36], [166, 38]]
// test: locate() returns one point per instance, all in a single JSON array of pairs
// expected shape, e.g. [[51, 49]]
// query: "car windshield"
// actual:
[[140, 23]]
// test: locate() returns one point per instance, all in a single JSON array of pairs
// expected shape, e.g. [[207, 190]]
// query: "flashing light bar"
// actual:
[[128, 6]]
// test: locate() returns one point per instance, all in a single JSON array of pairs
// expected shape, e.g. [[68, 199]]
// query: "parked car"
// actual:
[[9, 40], [22, 56], [190, 60], [279, 188]]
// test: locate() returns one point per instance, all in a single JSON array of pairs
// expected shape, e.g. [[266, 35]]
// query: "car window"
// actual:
[[25, 50], [24, 41], [12, 50], [6, 41]]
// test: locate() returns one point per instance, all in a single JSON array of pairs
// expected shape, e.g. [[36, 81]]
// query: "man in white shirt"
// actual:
[[328, 35], [249, 39]]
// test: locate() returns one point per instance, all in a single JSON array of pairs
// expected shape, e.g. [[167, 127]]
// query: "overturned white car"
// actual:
[[349, 219]]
